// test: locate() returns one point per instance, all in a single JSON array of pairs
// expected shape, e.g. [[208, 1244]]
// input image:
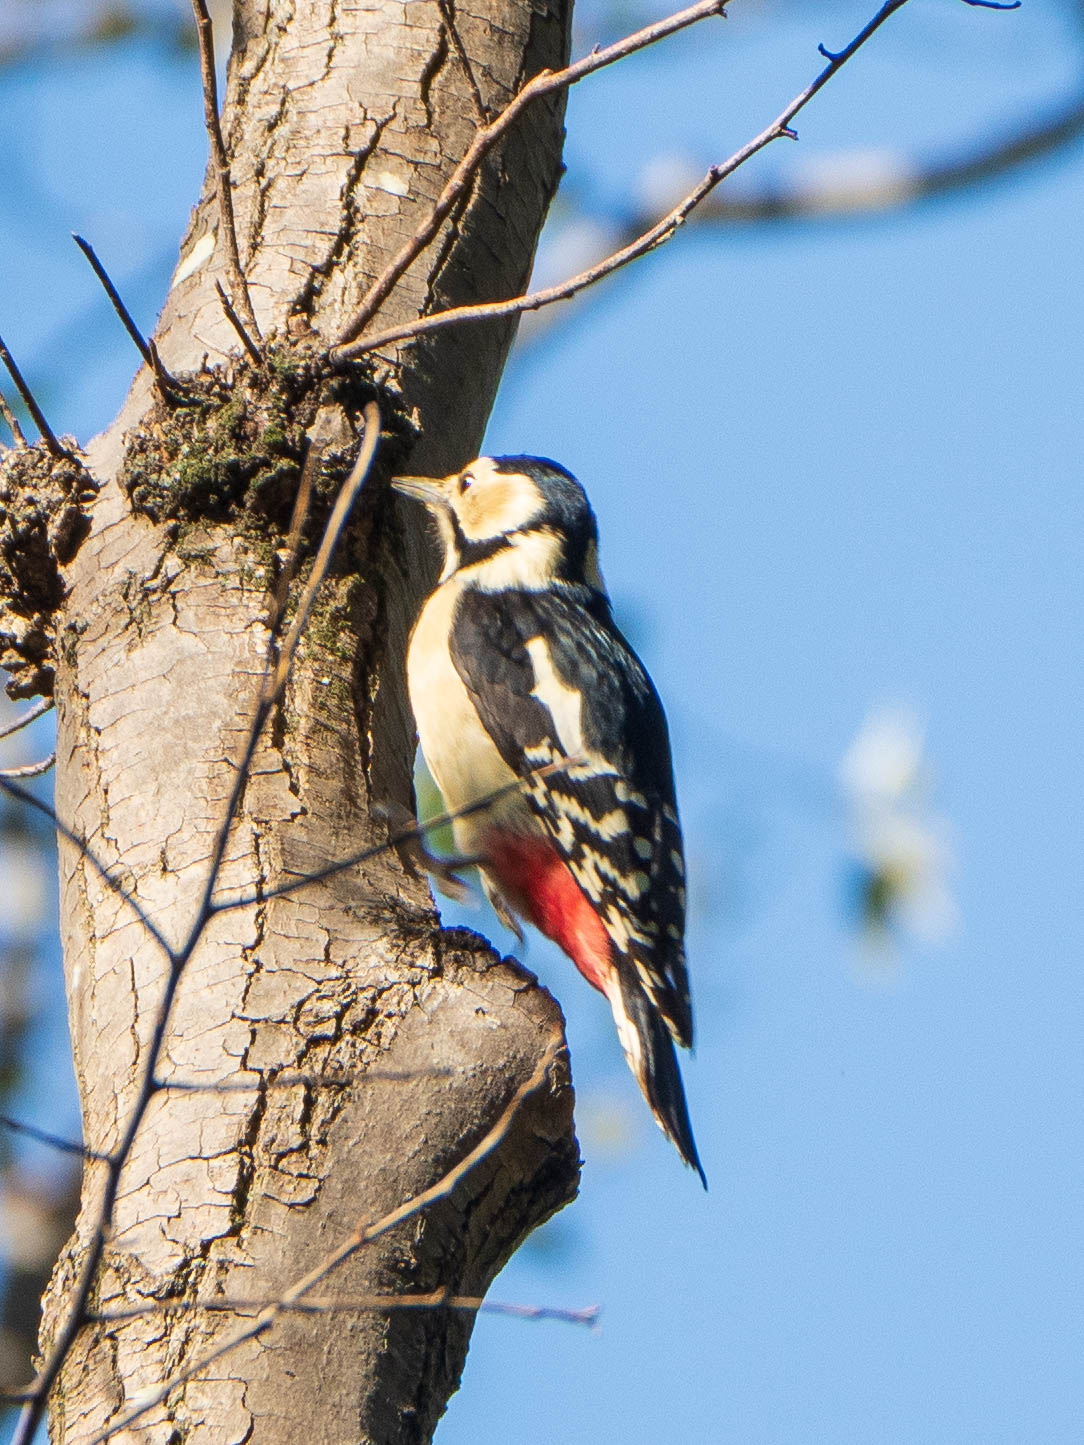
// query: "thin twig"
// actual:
[[298, 518], [12, 421], [39, 709], [310, 1081], [364, 1234], [657, 235], [223, 185], [349, 1304], [908, 183], [394, 840], [30, 770], [231, 1086], [114, 296], [168, 387], [28, 800], [275, 679], [54, 1141], [48, 436], [544, 83], [344, 503], [447, 14], [238, 325]]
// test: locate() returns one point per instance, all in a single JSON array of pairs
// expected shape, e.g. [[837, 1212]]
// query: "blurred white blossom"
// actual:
[[884, 762], [901, 849], [665, 180], [568, 249]]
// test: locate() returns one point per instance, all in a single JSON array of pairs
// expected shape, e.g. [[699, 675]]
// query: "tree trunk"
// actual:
[[342, 124]]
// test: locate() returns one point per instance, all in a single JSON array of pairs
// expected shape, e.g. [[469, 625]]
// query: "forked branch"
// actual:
[[657, 235], [546, 82]]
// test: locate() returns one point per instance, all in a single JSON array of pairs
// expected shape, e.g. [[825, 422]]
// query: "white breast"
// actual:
[[458, 751]]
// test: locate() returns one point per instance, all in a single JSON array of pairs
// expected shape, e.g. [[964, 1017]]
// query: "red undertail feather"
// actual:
[[538, 884]]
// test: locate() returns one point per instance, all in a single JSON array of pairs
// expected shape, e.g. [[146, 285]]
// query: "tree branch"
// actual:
[[223, 184], [546, 82], [39, 709], [48, 436], [657, 235]]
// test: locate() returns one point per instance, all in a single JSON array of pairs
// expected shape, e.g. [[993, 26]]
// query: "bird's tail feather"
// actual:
[[654, 1062]]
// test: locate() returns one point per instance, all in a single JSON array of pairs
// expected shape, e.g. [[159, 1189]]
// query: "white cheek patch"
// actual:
[[498, 502]]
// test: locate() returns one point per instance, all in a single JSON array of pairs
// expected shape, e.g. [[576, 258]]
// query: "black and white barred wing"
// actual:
[[557, 687]]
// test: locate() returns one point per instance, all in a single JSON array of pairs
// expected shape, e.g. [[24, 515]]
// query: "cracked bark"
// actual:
[[342, 123]]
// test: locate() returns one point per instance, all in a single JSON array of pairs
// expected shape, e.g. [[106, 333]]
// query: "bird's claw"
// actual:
[[406, 836]]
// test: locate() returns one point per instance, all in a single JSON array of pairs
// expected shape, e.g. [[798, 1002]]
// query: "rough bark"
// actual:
[[150, 602]]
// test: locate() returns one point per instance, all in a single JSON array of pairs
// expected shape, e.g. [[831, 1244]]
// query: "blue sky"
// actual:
[[835, 466]]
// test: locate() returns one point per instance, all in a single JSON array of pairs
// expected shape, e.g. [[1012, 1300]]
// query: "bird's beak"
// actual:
[[429, 490]]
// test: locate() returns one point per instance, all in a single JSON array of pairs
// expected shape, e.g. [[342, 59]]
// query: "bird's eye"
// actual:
[[464, 483]]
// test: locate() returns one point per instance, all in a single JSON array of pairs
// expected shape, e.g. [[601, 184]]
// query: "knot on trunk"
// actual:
[[233, 446]]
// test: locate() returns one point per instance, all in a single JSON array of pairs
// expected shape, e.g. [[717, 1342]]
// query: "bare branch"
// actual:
[[167, 385], [899, 184], [290, 1080], [40, 708], [544, 83], [12, 422], [168, 389], [30, 770], [350, 1304], [343, 504], [54, 1141], [238, 325], [114, 296], [395, 840], [48, 436], [275, 680], [447, 14], [657, 235], [298, 518], [364, 1234], [223, 186], [70, 836]]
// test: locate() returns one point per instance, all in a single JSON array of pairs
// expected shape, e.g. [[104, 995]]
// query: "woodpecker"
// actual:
[[525, 693]]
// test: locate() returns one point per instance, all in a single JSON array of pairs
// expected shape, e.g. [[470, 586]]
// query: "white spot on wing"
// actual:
[[564, 704], [627, 794]]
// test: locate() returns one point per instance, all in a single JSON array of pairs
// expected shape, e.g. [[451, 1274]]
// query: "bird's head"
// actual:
[[513, 521]]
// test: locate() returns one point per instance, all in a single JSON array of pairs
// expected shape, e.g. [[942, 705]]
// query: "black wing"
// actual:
[[553, 679]]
